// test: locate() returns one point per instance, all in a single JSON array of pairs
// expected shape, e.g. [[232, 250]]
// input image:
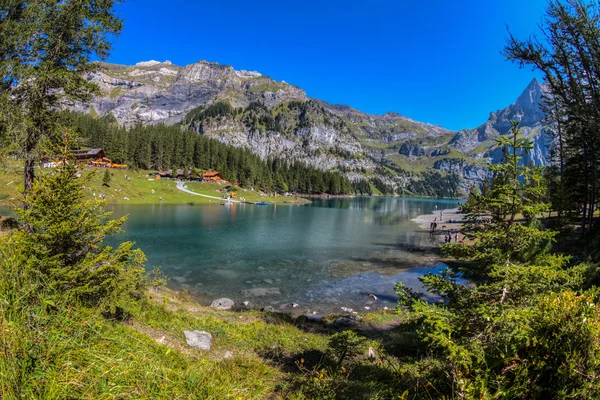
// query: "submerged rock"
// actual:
[[199, 339], [223, 304], [257, 292]]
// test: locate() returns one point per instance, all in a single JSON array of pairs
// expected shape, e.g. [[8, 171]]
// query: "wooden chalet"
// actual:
[[89, 155], [96, 158], [213, 176], [164, 174]]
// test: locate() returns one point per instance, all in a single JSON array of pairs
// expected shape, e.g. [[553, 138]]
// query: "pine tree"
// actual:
[[45, 54], [516, 191], [65, 238], [569, 58], [524, 328], [106, 178]]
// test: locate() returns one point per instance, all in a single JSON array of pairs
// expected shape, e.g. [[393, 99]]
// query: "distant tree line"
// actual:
[[435, 184], [164, 147]]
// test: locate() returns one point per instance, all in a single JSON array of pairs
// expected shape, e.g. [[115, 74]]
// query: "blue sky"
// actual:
[[435, 61]]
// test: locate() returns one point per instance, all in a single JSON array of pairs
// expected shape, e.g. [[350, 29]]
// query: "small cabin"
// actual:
[[212, 176], [164, 175]]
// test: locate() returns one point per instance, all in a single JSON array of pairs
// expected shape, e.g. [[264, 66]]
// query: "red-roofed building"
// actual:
[[212, 176]]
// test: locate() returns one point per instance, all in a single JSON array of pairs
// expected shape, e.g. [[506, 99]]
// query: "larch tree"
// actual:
[[568, 54], [46, 51]]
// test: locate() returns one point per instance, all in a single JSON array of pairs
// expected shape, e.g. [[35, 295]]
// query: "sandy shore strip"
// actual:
[[443, 225]]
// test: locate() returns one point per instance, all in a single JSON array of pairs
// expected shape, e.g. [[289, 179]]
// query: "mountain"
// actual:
[[527, 110], [276, 119]]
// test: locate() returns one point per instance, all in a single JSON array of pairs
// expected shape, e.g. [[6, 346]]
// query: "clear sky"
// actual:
[[435, 61]]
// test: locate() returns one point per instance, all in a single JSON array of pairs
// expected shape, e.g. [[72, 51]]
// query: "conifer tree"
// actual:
[[569, 57], [517, 191], [524, 328], [45, 53], [106, 178], [65, 238]]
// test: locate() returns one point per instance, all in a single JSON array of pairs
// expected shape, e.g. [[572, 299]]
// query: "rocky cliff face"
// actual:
[[153, 92], [298, 128], [479, 142]]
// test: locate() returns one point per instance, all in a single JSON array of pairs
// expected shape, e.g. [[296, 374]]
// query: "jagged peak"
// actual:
[[392, 114], [532, 93]]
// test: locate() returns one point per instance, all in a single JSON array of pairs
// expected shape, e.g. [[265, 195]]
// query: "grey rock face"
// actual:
[[222, 304], [329, 137], [409, 149], [198, 339], [153, 92]]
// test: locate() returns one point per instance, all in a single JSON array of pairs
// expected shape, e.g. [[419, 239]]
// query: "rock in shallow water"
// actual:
[[223, 304], [261, 292], [199, 339]]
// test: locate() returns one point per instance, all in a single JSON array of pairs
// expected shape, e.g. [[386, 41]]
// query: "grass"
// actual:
[[138, 190], [265, 87], [77, 353]]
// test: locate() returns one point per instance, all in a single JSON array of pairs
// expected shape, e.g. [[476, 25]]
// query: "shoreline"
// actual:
[[450, 214]]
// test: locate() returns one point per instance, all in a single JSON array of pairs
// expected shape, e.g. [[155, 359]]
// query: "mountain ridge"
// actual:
[[289, 124]]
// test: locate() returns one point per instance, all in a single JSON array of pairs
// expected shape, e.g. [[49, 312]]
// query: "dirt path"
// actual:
[[181, 186]]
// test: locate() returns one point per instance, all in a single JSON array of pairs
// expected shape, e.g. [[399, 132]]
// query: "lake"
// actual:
[[322, 256]]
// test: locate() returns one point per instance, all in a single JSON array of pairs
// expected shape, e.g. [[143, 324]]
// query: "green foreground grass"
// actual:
[[78, 353], [138, 189]]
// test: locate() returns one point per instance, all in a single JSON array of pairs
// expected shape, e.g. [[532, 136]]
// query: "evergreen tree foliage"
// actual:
[[64, 241], [569, 57], [516, 191], [45, 53], [106, 178], [162, 147], [524, 328], [435, 184]]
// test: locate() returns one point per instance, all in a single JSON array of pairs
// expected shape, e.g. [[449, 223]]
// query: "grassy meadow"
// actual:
[[137, 187]]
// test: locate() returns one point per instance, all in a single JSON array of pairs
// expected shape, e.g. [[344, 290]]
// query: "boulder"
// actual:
[[313, 318], [222, 304], [199, 339], [345, 321]]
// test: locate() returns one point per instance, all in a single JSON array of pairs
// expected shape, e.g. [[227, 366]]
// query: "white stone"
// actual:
[[199, 339], [222, 304]]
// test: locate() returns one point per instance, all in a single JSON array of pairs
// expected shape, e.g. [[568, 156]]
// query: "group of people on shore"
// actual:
[[448, 238], [450, 235]]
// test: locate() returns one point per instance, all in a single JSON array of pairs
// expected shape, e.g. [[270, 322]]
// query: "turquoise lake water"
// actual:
[[322, 256]]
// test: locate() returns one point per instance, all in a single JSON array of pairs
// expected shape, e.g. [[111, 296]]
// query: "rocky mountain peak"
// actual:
[[532, 95]]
